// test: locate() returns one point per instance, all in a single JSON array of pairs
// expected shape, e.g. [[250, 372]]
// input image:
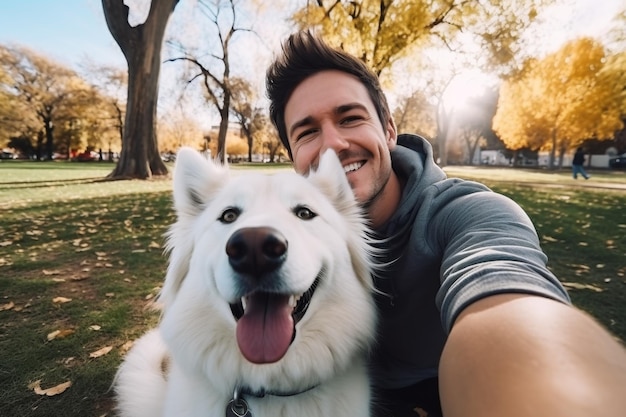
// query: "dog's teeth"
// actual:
[[293, 300], [243, 302]]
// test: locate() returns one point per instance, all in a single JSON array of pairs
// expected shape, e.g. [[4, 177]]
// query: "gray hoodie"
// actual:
[[449, 243]]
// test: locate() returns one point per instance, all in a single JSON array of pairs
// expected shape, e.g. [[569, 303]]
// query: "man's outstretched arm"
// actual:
[[519, 355]]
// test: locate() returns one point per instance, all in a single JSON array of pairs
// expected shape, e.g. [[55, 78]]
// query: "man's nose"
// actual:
[[333, 139]]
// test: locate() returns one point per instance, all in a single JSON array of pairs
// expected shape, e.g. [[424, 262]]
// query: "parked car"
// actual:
[[87, 156], [7, 155], [618, 162], [168, 157]]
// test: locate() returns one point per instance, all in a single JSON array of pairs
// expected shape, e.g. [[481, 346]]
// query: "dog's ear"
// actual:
[[196, 180], [331, 179]]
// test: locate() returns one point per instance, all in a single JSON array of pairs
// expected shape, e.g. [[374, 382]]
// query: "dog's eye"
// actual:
[[304, 213], [229, 215]]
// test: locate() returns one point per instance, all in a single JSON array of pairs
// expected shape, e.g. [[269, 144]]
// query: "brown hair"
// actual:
[[304, 55]]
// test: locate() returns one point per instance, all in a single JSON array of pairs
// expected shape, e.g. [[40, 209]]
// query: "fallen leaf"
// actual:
[[6, 243], [94, 327], [579, 286], [126, 346], [59, 334], [78, 277], [100, 352], [61, 300], [154, 245], [35, 386], [53, 272], [7, 306]]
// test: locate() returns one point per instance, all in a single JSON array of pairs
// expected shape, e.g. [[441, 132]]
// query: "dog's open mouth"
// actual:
[[266, 323]]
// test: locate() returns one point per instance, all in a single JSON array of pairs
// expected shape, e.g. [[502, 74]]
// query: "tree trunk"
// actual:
[[221, 136], [552, 151], [141, 45], [443, 121], [40, 137], [49, 138]]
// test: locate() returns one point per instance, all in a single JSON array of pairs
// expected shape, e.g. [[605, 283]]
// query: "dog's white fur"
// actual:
[[325, 363]]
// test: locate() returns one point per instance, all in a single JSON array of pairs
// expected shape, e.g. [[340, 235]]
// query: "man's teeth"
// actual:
[[352, 167]]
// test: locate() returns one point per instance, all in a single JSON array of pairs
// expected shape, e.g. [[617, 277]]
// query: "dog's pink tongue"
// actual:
[[265, 331]]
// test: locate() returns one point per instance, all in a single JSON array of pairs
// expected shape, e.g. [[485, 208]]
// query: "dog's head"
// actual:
[[261, 248]]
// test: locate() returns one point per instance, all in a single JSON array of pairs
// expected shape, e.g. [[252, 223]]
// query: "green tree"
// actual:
[[559, 101], [141, 46]]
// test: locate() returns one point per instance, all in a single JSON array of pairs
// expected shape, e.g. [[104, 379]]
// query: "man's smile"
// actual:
[[353, 166]]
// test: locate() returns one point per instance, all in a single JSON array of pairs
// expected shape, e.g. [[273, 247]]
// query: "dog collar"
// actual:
[[238, 407], [262, 393]]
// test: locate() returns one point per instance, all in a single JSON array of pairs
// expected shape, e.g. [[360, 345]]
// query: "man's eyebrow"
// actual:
[[344, 108], [350, 106], [303, 122]]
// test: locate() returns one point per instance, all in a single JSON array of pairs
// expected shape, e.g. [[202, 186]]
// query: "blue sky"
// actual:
[[65, 30], [71, 30]]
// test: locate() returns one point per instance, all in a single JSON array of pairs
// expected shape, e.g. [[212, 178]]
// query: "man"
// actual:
[[470, 314], [577, 164]]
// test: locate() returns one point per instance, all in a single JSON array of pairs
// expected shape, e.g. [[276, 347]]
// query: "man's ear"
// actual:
[[391, 133]]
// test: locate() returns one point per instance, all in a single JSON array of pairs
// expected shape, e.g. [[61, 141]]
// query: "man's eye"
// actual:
[[229, 215], [305, 133], [350, 119], [304, 213]]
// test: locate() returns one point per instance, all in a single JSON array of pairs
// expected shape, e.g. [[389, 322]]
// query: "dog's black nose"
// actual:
[[256, 250]]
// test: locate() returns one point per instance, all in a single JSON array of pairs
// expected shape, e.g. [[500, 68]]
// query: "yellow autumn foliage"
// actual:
[[573, 94]]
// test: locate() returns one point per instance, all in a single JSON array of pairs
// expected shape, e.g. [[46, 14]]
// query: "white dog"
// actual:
[[268, 307]]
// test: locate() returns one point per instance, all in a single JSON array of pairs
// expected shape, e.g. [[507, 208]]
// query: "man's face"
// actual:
[[332, 110]]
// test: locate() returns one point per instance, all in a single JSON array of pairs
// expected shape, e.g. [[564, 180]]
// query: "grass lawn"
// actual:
[[81, 261]]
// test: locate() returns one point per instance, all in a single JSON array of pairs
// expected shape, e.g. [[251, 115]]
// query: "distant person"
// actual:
[[577, 164]]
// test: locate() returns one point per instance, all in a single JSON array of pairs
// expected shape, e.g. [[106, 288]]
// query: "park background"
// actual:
[[498, 82], [81, 256]]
